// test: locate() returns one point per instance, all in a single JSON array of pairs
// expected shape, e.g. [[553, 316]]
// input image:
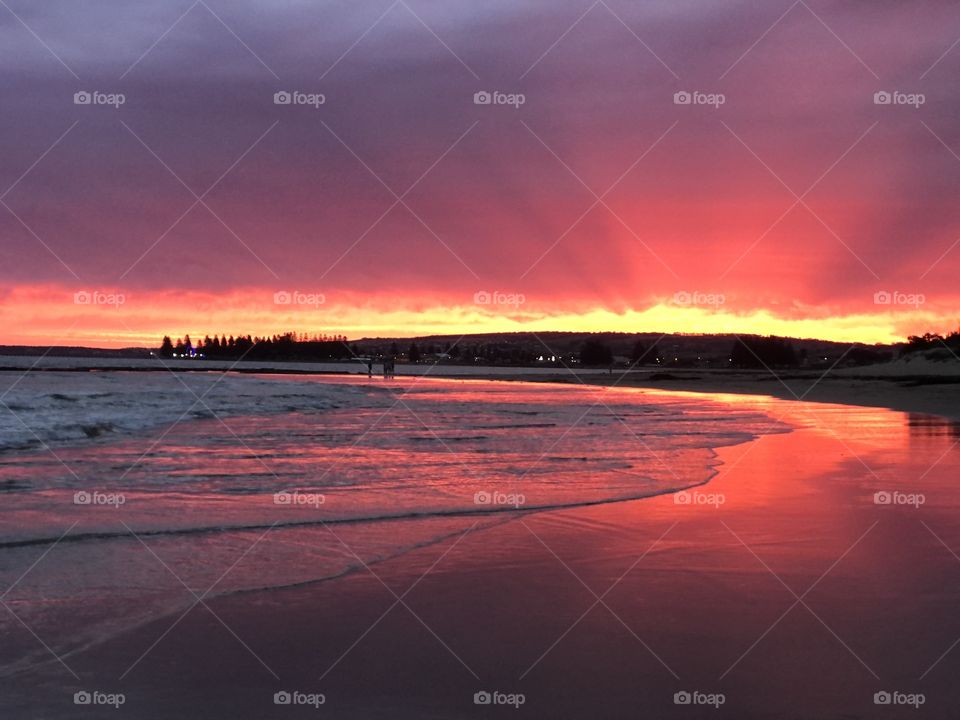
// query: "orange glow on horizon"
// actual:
[[116, 318]]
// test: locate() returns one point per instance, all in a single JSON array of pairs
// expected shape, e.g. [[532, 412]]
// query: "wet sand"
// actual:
[[797, 597], [929, 394]]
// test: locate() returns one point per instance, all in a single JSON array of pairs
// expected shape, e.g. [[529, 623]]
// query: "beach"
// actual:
[[933, 391], [424, 360], [759, 558]]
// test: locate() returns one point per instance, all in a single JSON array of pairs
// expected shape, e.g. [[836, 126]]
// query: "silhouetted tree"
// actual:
[[640, 353], [868, 356], [414, 353], [595, 352], [758, 352], [166, 347], [932, 341]]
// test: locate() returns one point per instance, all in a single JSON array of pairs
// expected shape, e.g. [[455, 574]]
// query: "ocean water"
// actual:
[[129, 497]]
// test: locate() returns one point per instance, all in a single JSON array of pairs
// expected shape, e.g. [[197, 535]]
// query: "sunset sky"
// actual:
[[399, 205]]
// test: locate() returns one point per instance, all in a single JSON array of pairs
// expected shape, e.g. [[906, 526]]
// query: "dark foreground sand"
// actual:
[[798, 597]]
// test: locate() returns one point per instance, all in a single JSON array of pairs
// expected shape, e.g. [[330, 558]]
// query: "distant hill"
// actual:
[[679, 349], [527, 348], [72, 351]]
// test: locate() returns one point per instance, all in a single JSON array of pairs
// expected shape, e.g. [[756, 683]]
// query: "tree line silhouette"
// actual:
[[599, 350], [288, 346], [933, 341], [749, 351]]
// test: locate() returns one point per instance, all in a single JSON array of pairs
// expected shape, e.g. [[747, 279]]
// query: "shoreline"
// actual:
[[923, 393], [927, 395]]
